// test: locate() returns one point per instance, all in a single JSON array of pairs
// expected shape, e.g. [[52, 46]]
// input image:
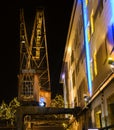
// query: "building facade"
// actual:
[[88, 64]]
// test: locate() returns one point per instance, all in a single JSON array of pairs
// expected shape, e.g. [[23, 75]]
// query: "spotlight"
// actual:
[[111, 62], [42, 104], [86, 97]]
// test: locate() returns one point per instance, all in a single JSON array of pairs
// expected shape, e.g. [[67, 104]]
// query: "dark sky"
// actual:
[[57, 17]]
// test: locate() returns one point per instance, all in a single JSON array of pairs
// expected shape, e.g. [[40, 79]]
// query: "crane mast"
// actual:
[[34, 77]]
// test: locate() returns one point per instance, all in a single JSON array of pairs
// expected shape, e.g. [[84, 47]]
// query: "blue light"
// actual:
[[110, 33], [112, 10], [86, 43], [42, 104]]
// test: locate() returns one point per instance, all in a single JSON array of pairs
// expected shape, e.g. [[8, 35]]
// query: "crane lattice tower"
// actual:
[[34, 77]]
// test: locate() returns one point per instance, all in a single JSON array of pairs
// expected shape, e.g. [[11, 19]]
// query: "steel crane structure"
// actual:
[[34, 77], [34, 80]]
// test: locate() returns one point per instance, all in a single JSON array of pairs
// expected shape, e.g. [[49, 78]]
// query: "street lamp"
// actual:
[[111, 62]]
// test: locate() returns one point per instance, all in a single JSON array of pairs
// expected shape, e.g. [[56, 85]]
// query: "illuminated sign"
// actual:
[[87, 47]]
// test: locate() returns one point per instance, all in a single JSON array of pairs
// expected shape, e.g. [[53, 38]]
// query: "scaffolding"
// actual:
[[34, 74]]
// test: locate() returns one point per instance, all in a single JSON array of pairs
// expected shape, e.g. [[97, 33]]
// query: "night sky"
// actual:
[[57, 18]]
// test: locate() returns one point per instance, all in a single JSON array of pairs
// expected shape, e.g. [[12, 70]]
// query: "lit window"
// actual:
[[89, 33], [86, 2], [95, 63], [92, 22], [91, 69], [98, 119]]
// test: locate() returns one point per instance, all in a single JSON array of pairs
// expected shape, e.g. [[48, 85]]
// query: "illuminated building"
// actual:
[[88, 63]]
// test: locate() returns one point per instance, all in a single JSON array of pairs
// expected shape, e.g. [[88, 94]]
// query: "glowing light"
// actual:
[[63, 76], [111, 62], [112, 10], [86, 2], [42, 102], [95, 63], [69, 49], [92, 22], [89, 36], [86, 42]]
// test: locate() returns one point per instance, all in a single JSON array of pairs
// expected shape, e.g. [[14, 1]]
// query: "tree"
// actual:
[[13, 105], [3, 109], [58, 102], [7, 111]]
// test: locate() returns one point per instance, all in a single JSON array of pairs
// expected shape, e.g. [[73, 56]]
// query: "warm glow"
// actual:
[[111, 62], [88, 31], [63, 76], [69, 49], [91, 67], [92, 22], [86, 2], [95, 63]]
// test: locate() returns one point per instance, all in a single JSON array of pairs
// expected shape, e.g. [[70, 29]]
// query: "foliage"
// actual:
[[57, 102], [7, 111]]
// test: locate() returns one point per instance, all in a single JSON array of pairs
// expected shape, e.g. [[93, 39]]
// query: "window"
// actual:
[[98, 9], [81, 91], [92, 26], [100, 6], [95, 63], [77, 68], [98, 117], [72, 57], [110, 104], [80, 24], [27, 85], [73, 78], [86, 2], [89, 33], [101, 57], [27, 88]]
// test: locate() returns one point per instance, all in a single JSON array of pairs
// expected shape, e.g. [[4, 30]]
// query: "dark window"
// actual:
[[72, 57], [73, 78], [100, 6], [98, 9]]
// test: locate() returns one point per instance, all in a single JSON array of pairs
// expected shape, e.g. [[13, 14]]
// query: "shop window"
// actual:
[[111, 108], [98, 117], [110, 101]]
